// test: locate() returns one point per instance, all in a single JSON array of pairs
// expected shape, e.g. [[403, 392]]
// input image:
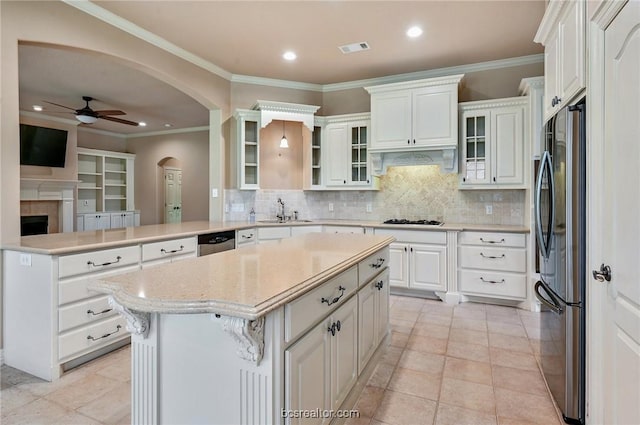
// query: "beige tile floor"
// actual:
[[472, 364]]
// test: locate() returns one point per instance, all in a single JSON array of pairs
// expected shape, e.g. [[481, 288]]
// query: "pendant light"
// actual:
[[284, 143]]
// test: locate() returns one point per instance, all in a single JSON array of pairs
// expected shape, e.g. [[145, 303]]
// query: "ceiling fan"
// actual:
[[86, 115]]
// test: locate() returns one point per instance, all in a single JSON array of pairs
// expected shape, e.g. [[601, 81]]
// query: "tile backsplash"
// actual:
[[413, 192]]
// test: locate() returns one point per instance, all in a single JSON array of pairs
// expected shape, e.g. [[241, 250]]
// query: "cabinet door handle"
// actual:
[[98, 313], [332, 329], [173, 251], [408, 142], [494, 179], [379, 262], [248, 237], [490, 241], [491, 281], [105, 335], [414, 141], [492, 256], [108, 263], [405, 249], [380, 284], [330, 301], [338, 325]]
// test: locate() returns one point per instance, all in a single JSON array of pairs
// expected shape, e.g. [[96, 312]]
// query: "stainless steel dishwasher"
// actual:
[[211, 243]]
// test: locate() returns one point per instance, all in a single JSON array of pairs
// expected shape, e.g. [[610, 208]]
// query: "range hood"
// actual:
[[446, 158]]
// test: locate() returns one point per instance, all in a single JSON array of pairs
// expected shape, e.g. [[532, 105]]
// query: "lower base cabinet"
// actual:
[[373, 317], [418, 266], [322, 366]]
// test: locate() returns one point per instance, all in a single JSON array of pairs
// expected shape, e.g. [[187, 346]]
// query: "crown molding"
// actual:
[[483, 104], [359, 116], [274, 82], [428, 82], [129, 27], [166, 132], [294, 108], [528, 84]]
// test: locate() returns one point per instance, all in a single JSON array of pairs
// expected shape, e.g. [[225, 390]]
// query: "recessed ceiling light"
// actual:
[[142, 124], [414, 32], [37, 108], [168, 125], [290, 56]]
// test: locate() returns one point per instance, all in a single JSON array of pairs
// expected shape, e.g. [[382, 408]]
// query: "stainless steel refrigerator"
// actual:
[[560, 208]]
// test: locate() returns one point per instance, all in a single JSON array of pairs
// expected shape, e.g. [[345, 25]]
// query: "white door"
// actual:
[[337, 161], [172, 195], [382, 298], [507, 133], [398, 265], [344, 352], [367, 300], [621, 232]]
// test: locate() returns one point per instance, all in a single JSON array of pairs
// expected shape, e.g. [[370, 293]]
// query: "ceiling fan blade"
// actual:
[[57, 104], [110, 112], [121, 121]]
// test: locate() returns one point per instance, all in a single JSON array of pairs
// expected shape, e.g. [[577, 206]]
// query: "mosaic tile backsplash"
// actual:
[[412, 192]]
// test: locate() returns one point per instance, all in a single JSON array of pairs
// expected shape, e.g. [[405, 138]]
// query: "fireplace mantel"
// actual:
[[38, 189]]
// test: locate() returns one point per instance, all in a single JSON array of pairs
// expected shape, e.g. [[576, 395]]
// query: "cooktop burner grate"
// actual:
[[406, 221]]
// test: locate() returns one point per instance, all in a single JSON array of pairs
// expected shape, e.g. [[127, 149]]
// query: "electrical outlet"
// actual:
[[214, 193], [369, 207], [488, 209], [86, 202], [25, 260], [330, 206]]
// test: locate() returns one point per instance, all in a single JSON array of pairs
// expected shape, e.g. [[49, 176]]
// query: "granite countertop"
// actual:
[[246, 283], [72, 242]]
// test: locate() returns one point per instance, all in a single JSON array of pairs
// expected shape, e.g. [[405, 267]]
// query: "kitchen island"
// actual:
[[257, 335]]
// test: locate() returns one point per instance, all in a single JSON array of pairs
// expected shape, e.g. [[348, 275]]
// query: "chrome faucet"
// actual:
[[281, 216]]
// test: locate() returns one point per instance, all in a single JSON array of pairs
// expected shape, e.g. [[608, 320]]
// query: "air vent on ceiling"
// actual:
[[354, 47]]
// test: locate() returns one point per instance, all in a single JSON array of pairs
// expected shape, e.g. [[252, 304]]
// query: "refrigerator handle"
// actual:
[[538, 208], [554, 305]]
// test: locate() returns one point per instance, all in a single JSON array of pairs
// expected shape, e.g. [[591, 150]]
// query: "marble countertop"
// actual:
[[72, 242], [247, 282]]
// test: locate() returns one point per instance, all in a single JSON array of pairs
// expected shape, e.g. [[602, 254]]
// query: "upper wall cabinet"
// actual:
[[415, 115], [562, 32], [246, 134], [345, 152], [493, 143]]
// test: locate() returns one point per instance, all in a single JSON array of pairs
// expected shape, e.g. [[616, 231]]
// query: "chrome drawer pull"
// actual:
[[105, 335], [490, 241], [379, 262], [336, 299], [173, 251], [379, 285], [491, 281], [98, 313], [492, 256], [108, 263]]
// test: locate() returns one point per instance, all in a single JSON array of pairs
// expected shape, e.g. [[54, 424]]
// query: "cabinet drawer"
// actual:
[[246, 236], [168, 249], [84, 313], [75, 289], [302, 313], [342, 229], [497, 259], [88, 338], [516, 240], [95, 261], [372, 265], [274, 232], [489, 283], [415, 236]]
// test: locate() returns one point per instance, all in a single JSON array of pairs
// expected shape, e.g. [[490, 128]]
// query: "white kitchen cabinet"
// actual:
[[346, 161], [106, 181], [246, 135], [322, 366], [493, 143], [122, 219], [342, 229], [417, 260], [563, 33], [373, 316], [492, 265], [169, 251], [415, 115], [103, 221], [301, 230], [273, 234]]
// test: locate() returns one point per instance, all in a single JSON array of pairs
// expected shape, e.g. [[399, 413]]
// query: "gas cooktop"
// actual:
[[406, 221]]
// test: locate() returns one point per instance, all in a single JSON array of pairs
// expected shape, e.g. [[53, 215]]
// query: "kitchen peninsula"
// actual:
[[245, 336]]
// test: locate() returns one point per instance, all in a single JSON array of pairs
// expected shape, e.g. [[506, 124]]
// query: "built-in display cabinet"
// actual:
[[246, 134], [563, 34], [494, 143]]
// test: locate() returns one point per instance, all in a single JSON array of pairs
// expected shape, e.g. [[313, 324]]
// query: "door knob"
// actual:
[[603, 274]]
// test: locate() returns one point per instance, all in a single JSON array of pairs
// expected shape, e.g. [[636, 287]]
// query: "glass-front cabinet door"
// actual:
[[475, 147], [316, 156], [359, 158]]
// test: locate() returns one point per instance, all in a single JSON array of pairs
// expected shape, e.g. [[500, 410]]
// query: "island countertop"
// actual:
[[246, 283]]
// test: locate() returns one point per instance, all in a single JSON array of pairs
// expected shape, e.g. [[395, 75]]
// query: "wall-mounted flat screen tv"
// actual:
[[46, 147]]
